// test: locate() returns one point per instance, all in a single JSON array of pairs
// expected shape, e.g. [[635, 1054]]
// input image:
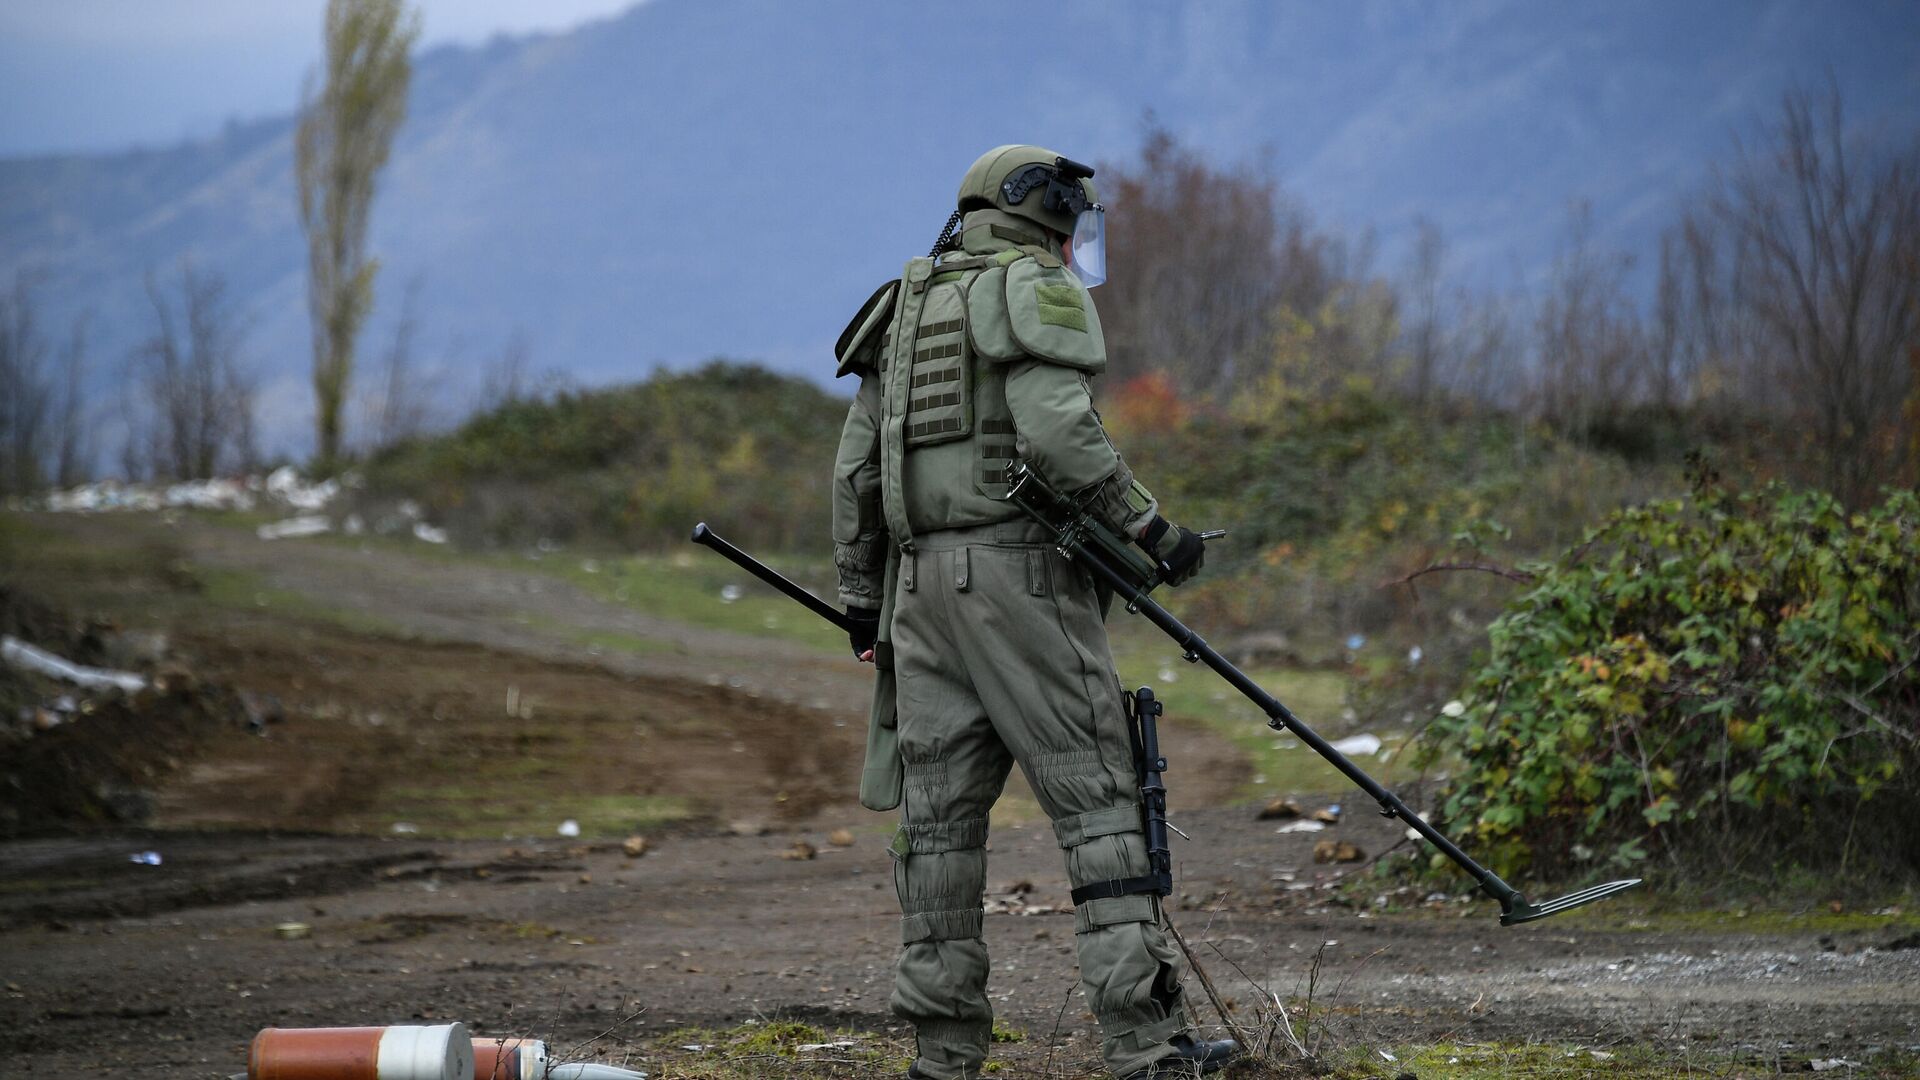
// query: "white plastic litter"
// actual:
[[1453, 708], [729, 593], [429, 534], [145, 858], [587, 1070], [20, 654], [1358, 744], [295, 527], [1303, 825], [569, 828]]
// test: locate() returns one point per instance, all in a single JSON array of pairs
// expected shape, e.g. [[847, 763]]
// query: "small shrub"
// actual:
[[1731, 676]]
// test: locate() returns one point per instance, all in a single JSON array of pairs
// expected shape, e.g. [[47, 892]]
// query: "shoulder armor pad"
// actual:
[[1051, 316], [859, 346], [987, 325]]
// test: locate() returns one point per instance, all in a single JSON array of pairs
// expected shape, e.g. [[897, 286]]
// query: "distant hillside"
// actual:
[[630, 466], [695, 179]]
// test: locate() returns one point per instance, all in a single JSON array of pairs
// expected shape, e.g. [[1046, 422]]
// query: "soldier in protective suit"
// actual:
[[992, 648]]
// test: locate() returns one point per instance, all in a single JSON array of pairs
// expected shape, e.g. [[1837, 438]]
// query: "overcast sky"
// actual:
[[106, 74]]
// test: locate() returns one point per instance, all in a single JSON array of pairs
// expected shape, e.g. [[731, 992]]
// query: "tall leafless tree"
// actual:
[[201, 395], [346, 130], [1810, 261], [24, 390], [1201, 259], [1587, 335]]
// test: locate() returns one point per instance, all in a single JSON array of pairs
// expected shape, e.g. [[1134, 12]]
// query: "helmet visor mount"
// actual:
[[1087, 250], [1063, 193]]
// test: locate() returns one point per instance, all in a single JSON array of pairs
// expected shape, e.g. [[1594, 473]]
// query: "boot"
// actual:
[[1189, 1058]]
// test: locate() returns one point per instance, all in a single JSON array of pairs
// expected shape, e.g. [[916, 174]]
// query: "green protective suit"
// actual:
[[995, 651]]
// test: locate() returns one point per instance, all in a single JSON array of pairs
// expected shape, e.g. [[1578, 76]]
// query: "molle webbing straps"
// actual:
[[1016, 236]]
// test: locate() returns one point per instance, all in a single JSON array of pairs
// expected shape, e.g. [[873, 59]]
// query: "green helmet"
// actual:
[[1029, 182]]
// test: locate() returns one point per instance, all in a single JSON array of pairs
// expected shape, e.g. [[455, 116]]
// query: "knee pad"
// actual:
[[940, 872]]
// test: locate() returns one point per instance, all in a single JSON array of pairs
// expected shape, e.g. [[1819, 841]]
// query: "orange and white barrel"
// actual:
[[400, 1052]]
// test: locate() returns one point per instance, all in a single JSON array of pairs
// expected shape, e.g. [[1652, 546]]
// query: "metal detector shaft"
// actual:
[[1514, 908], [709, 538]]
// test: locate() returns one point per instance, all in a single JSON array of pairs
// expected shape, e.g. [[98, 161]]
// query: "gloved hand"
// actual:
[[866, 629], [1180, 552]]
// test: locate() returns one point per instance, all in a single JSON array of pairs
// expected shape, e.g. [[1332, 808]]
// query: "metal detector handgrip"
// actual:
[[1514, 907], [708, 538]]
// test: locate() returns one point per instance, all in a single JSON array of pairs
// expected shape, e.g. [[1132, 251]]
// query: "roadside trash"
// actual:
[[1829, 1064], [569, 828], [801, 851], [293, 931], [428, 534], [634, 846], [1453, 708], [145, 858], [588, 1070], [1329, 815], [1282, 806], [729, 593], [814, 1048], [401, 1052], [295, 527], [38, 660], [1337, 851], [840, 838], [745, 827], [1355, 641], [1358, 744], [1414, 655], [405, 828], [1303, 825]]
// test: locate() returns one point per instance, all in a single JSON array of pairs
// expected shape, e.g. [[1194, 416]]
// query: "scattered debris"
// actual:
[[745, 827], [405, 828], [814, 1048], [1337, 851], [1282, 806], [22, 655], [1453, 709], [729, 593], [1830, 1064], [145, 858], [569, 828], [428, 533], [634, 846], [294, 528], [1328, 815], [1303, 825], [840, 838], [800, 851], [293, 931], [1362, 745]]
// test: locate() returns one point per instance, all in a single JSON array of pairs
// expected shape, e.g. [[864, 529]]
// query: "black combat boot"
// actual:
[[1189, 1058]]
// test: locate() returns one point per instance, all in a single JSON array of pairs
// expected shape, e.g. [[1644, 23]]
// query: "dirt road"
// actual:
[[116, 968]]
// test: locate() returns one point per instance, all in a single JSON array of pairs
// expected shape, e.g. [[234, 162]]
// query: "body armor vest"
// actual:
[[947, 435]]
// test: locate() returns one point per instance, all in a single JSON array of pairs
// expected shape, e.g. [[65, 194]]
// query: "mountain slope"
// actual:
[[695, 179]]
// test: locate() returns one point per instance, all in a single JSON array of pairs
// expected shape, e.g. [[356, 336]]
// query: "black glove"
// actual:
[[1180, 552], [865, 630]]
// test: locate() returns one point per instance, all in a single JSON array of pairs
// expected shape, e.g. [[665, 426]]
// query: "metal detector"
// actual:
[[1080, 536]]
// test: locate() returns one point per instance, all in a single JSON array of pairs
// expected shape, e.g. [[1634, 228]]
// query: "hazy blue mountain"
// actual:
[[698, 178]]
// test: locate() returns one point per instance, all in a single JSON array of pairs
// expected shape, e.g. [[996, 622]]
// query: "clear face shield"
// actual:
[[1087, 250]]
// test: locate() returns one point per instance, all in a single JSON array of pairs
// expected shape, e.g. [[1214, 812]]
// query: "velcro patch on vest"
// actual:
[[1061, 305]]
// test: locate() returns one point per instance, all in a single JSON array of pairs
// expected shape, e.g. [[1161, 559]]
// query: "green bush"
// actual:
[[633, 466], [1730, 676]]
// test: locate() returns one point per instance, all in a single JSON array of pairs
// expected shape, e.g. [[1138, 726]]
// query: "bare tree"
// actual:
[[1810, 261], [24, 393], [1201, 260], [70, 442], [504, 381], [1587, 335], [1424, 332], [201, 396], [396, 406], [346, 130]]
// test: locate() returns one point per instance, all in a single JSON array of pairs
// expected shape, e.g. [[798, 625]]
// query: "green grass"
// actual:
[[1196, 695], [480, 811]]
